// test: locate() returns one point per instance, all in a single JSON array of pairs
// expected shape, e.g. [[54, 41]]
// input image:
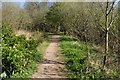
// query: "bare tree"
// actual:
[[108, 24]]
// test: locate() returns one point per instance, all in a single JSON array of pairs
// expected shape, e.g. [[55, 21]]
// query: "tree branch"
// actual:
[[108, 12]]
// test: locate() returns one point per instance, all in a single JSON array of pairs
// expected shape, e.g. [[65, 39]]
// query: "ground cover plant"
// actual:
[[78, 61], [19, 56]]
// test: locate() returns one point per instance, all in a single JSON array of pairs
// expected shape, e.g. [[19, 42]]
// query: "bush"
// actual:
[[17, 53], [38, 36]]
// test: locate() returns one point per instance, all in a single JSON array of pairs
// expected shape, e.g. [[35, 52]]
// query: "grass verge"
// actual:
[[41, 48], [81, 60]]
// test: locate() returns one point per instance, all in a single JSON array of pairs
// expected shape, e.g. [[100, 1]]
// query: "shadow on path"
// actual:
[[46, 61], [52, 65]]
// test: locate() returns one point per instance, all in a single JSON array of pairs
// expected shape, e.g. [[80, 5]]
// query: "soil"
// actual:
[[52, 64]]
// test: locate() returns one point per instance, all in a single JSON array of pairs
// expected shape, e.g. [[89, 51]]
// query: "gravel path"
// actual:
[[52, 65]]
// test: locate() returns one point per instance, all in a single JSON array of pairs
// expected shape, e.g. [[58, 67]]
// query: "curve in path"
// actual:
[[52, 65]]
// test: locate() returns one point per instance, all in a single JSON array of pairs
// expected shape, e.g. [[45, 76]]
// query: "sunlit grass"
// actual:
[[83, 60]]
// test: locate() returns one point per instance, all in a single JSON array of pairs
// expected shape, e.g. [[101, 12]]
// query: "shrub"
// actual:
[[17, 52]]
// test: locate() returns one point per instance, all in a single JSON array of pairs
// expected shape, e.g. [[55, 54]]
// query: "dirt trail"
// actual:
[[52, 65]]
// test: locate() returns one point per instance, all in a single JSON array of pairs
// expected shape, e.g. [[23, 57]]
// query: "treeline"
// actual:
[[91, 22], [31, 16], [96, 23]]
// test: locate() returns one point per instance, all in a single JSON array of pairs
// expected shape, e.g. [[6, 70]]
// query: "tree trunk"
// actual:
[[106, 37], [106, 48]]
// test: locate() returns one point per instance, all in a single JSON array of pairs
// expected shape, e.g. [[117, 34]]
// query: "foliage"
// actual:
[[84, 21], [77, 61], [37, 12], [54, 18], [38, 36], [18, 54]]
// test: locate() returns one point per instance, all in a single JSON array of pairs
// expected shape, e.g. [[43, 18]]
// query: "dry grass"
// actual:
[[27, 34]]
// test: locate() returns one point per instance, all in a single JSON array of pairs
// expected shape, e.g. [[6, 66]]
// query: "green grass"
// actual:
[[42, 47], [78, 61]]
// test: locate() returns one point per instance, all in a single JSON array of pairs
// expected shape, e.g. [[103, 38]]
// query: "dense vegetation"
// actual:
[[93, 23], [95, 27], [19, 56], [82, 65]]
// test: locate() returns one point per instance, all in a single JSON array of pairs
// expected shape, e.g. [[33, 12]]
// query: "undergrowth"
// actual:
[[80, 58], [19, 55]]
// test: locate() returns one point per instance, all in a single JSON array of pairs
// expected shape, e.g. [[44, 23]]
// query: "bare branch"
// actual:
[[111, 8], [112, 21]]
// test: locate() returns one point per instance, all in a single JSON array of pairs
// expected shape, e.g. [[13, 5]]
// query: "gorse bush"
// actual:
[[18, 54]]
